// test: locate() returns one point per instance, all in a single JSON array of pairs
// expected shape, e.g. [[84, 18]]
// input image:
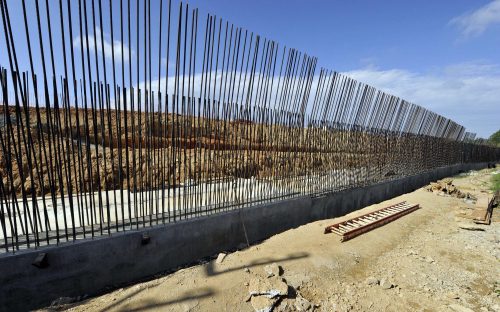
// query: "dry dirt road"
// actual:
[[421, 262]]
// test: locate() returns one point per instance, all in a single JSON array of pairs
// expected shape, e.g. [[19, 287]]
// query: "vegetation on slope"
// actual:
[[495, 182], [495, 138]]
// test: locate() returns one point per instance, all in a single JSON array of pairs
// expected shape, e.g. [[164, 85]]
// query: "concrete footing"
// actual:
[[91, 266]]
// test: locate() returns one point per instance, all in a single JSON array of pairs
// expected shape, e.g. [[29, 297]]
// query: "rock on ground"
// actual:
[[220, 258], [272, 269], [459, 308], [385, 284], [372, 281], [302, 304], [270, 287], [263, 303]]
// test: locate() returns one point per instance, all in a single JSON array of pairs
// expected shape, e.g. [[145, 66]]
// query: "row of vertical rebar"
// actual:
[[101, 132]]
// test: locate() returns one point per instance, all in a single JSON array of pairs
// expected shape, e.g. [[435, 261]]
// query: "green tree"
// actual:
[[495, 138]]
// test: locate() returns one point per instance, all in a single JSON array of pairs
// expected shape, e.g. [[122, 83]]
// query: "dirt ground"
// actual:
[[76, 150], [421, 262]]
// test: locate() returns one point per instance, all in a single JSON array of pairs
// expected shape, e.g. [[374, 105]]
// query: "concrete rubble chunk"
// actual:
[[445, 187], [372, 281], [284, 305], [296, 280], [271, 287], [429, 259], [452, 295], [302, 304], [220, 258], [458, 308], [385, 284], [248, 298], [262, 303], [412, 252], [470, 227], [272, 269], [447, 181]]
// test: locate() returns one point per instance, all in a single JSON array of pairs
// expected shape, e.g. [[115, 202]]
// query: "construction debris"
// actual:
[[220, 258], [265, 292], [268, 293], [459, 308], [372, 281], [262, 303], [484, 209], [272, 270], [302, 304], [271, 287], [446, 187], [386, 284], [470, 227]]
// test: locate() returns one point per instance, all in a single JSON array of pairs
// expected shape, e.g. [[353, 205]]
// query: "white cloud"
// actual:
[[238, 94], [108, 47], [468, 93], [476, 22]]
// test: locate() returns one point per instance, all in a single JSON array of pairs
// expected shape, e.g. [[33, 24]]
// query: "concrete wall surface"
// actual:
[[92, 266]]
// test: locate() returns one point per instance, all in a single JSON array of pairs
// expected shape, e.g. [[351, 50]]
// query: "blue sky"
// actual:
[[443, 55], [344, 35]]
